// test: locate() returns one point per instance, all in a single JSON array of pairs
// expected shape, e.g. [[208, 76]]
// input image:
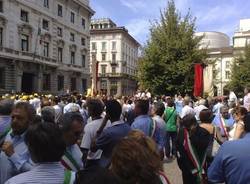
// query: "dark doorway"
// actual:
[[27, 83]]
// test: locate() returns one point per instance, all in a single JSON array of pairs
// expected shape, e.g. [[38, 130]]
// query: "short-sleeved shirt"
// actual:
[[89, 134], [170, 119]]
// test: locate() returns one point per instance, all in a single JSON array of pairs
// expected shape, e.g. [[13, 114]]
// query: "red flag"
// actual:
[[198, 80]]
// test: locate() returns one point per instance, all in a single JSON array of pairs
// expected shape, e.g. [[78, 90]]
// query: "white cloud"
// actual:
[[134, 5]]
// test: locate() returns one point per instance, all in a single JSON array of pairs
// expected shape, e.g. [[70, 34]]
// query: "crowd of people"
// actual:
[[77, 139]]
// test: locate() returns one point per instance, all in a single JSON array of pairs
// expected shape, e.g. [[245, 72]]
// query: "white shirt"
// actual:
[[198, 109], [187, 110], [89, 134], [68, 107], [58, 112], [247, 101]]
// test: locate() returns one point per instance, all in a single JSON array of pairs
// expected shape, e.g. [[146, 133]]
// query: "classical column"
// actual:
[[119, 87], [19, 75]]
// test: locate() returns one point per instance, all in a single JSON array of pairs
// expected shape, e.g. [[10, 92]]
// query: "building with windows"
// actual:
[[114, 56], [221, 53], [44, 45]]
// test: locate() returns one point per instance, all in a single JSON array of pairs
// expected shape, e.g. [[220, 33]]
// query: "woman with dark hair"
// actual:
[[206, 118], [136, 166], [192, 143], [238, 130]]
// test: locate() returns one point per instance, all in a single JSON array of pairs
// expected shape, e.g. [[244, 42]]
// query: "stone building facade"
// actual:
[[44, 45], [116, 53]]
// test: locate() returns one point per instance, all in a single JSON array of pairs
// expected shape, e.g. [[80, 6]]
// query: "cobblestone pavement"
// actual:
[[173, 172]]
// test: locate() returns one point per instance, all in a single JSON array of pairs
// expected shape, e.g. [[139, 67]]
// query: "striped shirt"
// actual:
[[46, 173]]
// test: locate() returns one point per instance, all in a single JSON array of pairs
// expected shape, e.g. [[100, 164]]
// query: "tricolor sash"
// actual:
[[193, 156], [5, 132], [69, 177], [163, 178], [69, 162], [223, 126], [152, 128]]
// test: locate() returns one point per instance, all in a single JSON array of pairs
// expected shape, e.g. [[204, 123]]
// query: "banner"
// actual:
[[208, 80], [198, 80]]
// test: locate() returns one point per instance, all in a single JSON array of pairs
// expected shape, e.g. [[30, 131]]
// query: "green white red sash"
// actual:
[[69, 162], [69, 177], [223, 126], [5, 132], [152, 128], [163, 178], [192, 155]]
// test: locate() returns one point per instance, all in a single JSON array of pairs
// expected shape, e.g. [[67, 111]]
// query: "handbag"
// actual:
[[215, 145]]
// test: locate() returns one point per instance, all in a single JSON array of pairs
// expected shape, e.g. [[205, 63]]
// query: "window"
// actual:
[[2, 78], [228, 64], [83, 40], [45, 49], [113, 69], [46, 3], [60, 54], [24, 16], [24, 42], [46, 82], [103, 57], [1, 6], [45, 24], [83, 23], [84, 84], [93, 45], [228, 75], [60, 82], [104, 84], [73, 84], [72, 17], [83, 61], [113, 57], [113, 45], [93, 57], [72, 58], [1, 36], [59, 10], [103, 46], [59, 31], [72, 37], [103, 67]]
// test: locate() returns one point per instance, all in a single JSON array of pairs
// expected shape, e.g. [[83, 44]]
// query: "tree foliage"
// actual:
[[168, 57], [241, 73]]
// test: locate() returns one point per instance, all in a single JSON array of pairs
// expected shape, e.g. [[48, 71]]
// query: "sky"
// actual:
[[137, 15]]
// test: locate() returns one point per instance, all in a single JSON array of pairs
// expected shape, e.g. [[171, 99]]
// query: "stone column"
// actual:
[[19, 75], [119, 87], [108, 87]]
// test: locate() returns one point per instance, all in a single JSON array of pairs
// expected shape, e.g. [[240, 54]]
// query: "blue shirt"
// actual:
[[231, 164], [160, 133], [109, 138], [49, 173], [143, 123], [19, 162], [228, 122]]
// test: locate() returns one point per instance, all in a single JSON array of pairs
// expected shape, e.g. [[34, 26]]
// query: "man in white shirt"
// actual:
[[247, 99], [95, 109], [201, 106], [186, 109], [71, 105]]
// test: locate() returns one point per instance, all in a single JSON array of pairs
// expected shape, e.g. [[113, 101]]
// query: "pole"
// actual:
[[221, 76]]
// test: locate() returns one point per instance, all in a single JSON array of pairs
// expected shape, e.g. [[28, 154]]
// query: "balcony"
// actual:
[[113, 63], [111, 75]]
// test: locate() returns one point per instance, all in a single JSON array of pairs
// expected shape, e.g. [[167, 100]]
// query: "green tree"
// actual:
[[167, 64], [241, 73]]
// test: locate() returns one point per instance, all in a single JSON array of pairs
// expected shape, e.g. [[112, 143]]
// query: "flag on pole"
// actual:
[[198, 80]]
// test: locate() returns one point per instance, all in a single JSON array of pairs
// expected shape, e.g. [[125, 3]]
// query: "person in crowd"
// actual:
[[15, 157], [217, 106], [192, 143], [5, 118], [143, 121], [109, 137], [160, 133], [231, 165], [206, 118], [170, 117], [224, 120], [48, 114], [71, 126], [36, 102], [95, 109], [178, 104], [238, 129], [246, 99], [46, 147], [58, 109], [201, 106], [186, 109], [71, 106], [136, 165]]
